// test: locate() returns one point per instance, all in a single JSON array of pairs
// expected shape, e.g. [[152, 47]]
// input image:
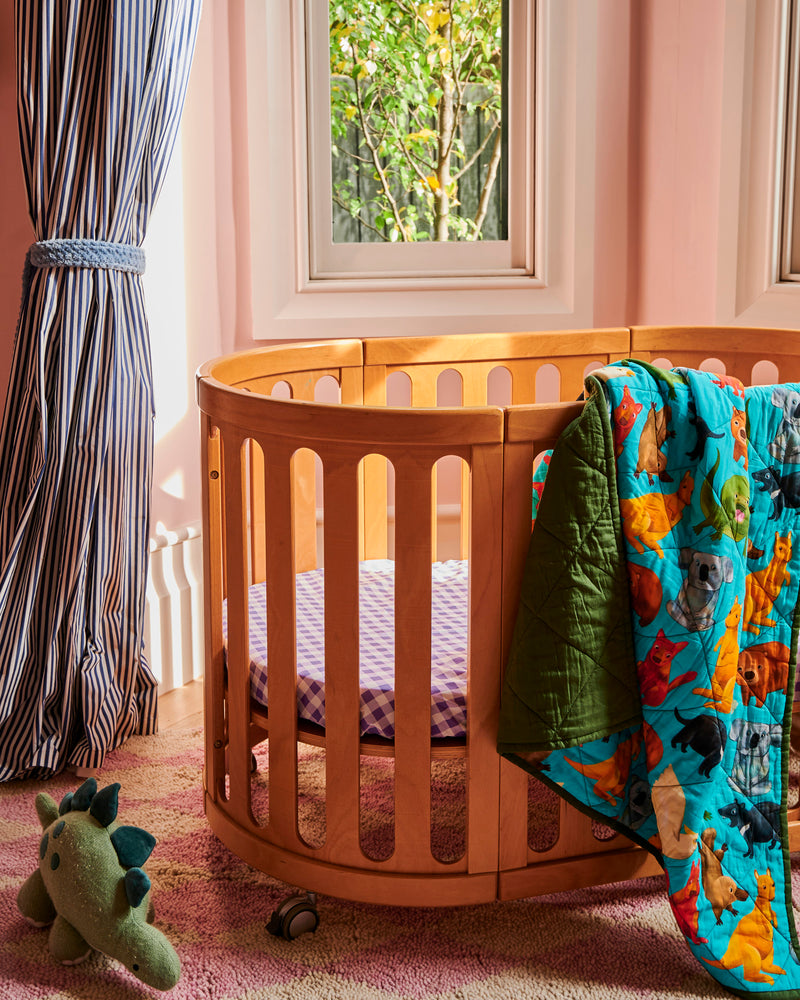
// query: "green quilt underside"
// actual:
[[575, 621], [651, 675]]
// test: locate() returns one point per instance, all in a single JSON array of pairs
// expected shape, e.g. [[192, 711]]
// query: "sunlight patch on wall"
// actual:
[[165, 294], [175, 485]]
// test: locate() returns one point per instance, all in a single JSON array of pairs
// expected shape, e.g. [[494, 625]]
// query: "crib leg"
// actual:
[[295, 916]]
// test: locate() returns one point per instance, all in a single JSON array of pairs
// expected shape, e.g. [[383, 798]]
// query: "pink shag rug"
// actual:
[[615, 942]]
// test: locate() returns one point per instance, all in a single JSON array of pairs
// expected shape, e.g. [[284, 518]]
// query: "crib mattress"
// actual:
[[449, 619]]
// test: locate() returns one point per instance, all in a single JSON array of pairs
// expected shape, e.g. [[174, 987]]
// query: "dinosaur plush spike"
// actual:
[[137, 885], [82, 798], [87, 888], [105, 804], [46, 810], [66, 804], [133, 845]]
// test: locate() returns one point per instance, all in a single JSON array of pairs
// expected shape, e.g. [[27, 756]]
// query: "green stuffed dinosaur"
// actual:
[[90, 886]]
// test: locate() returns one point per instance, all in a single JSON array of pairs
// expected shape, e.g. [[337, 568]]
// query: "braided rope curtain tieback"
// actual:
[[87, 253]]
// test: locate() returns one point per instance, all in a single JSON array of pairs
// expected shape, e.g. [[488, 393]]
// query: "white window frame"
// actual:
[[332, 261], [752, 286], [287, 303], [790, 237]]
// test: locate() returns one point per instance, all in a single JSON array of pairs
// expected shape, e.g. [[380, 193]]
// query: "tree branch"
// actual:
[[488, 184], [476, 154], [367, 225], [378, 165]]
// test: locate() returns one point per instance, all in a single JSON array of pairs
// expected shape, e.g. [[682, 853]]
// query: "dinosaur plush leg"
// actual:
[[34, 903], [66, 944]]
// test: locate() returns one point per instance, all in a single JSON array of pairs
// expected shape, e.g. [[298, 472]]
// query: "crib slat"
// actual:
[[304, 493], [213, 687], [342, 701], [375, 497], [485, 648], [281, 651], [412, 683], [571, 371], [257, 525], [423, 393], [238, 627], [475, 390]]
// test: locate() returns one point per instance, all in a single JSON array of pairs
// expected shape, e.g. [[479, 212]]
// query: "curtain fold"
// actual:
[[101, 87]]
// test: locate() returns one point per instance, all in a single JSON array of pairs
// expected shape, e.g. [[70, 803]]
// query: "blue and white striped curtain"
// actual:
[[101, 85]]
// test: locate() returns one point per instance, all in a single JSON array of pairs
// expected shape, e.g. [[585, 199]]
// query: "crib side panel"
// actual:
[[539, 365], [264, 447], [740, 349]]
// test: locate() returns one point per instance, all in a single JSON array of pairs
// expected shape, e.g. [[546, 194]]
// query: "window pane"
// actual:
[[417, 144]]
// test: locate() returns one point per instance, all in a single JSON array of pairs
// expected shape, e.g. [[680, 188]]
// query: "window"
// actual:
[[790, 242], [759, 233], [416, 112], [535, 271]]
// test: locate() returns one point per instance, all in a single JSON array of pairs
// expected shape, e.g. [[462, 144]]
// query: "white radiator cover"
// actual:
[[174, 607]]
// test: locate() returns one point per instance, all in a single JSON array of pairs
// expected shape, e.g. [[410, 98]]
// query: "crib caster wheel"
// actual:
[[295, 916]]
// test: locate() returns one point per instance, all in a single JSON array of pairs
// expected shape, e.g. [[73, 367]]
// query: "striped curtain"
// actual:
[[101, 85]]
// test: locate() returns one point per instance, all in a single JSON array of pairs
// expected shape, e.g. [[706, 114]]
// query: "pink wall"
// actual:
[[617, 204], [673, 270], [16, 232]]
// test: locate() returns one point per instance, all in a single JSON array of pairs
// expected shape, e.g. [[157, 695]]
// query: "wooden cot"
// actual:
[[260, 499]]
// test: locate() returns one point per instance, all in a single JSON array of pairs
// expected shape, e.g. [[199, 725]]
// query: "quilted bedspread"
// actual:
[[652, 667]]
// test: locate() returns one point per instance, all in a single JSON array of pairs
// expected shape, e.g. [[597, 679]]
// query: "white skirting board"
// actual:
[[174, 607]]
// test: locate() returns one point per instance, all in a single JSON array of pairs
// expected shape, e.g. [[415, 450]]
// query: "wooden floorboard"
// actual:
[[181, 708]]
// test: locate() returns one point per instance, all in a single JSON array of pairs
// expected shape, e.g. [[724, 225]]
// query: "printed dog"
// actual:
[[731, 381], [764, 586], [653, 671], [650, 517], [750, 772], [720, 890], [786, 446], [694, 606], [704, 432], [784, 491], [750, 944], [723, 680], [706, 735], [739, 431], [758, 825], [625, 414], [611, 775], [655, 432], [684, 906], [763, 668], [669, 805], [646, 593]]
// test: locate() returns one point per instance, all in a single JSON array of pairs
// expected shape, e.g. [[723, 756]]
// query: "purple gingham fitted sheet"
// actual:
[[376, 638]]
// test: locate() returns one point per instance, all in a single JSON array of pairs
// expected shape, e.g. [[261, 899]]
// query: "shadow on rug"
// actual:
[[615, 942]]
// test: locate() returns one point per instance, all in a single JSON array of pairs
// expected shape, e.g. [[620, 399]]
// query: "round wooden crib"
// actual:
[[293, 484]]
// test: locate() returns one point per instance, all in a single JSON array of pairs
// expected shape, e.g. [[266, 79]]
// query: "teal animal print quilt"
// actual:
[[651, 675]]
